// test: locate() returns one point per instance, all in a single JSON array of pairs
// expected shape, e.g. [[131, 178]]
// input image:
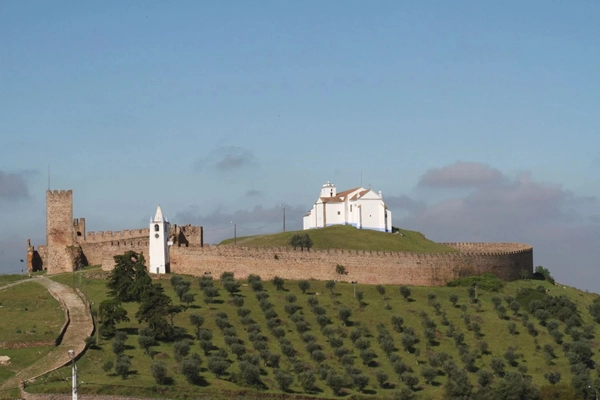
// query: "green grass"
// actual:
[[29, 313], [494, 329], [5, 279], [348, 237]]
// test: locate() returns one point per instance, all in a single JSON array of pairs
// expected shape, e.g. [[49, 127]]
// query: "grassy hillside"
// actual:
[[28, 313], [348, 237], [366, 335]]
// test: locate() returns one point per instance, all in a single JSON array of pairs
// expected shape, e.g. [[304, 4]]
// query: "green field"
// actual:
[[366, 319], [348, 237]]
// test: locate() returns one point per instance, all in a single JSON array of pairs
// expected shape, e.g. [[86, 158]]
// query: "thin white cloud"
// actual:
[[461, 175], [225, 159]]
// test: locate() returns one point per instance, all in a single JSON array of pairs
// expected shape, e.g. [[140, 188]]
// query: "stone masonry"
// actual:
[[70, 247]]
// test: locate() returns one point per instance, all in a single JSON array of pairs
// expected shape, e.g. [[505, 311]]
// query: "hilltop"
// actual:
[[348, 237], [348, 339]]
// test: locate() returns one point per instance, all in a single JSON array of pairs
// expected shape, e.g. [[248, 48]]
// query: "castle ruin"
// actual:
[[69, 247]]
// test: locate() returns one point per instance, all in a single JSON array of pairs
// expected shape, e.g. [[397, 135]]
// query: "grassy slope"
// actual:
[[30, 309], [494, 330], [348, 237]]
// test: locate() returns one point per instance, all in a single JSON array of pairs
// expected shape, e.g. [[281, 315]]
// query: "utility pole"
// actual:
[[74, 374], [284, 219]]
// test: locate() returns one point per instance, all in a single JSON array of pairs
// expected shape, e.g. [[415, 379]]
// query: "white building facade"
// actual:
[[359, 207], [159, 244]]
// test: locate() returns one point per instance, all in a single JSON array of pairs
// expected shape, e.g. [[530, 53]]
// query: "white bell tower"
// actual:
[[159, 244]]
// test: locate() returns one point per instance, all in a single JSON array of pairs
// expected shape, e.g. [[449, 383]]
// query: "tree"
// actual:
[[381, 377], [344, 314], [497, 366], [410, 380], [360, 381], [250, 373], [284, 380], [544, 273], [458, 385], [381, 290], [307, 380], [118, 345], [330, 285], [304, 285], [197, 320], [553, 377], [210, 292], [129, 268], [188, 298], [181, 288], [516, 386], [217, 365], [398, 323], [146, 342], [484, 377], [190, 368], [231, 285], [111, 313], [122, 366], [340, 270], [154, 309], [428, 373], [301, 240], [405, 292], [453, 299], [278, 282], [159, 372], [108, 366], [334, 381], [181, 349], [511, 356]]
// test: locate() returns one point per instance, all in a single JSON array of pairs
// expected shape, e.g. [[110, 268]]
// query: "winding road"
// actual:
[[80, 327]]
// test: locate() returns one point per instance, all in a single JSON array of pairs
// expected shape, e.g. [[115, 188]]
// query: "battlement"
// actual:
[[59, 193], [464, 249], [107, 236]]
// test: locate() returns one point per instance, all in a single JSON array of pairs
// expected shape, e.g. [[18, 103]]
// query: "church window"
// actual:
[[350, 207], [339, 213], [156, 228]]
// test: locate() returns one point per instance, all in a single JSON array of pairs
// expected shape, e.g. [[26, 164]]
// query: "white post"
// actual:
[[74, 375]]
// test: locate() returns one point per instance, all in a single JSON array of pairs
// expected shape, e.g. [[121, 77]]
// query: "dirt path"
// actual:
[[80, 327]]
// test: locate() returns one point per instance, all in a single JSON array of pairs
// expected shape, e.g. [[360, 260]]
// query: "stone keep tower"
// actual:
[[60, 239], [159, 244]]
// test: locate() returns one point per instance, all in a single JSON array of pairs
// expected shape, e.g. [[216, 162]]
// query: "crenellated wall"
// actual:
[[109, 236], [424, 269], [69, 247]]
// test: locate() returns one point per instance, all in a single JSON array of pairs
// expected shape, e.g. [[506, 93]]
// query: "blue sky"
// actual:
[[478, 120]]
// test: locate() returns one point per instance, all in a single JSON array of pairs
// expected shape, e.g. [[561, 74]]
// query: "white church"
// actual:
[[359, 207]]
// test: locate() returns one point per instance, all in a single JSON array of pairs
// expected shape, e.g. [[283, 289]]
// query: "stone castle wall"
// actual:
[[423, 269], [70, 247]]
